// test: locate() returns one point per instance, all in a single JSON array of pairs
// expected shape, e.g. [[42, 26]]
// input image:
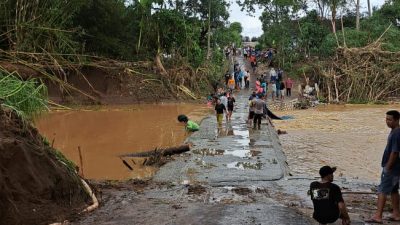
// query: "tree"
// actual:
[[109, 27], [369, 8], [236, 26], [334, 6], [358, 15], [37, 26]]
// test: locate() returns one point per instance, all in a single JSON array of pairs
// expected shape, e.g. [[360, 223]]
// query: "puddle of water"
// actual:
[[245, 165], [110, 131], [344, 136], [208, 152], [239, 153]]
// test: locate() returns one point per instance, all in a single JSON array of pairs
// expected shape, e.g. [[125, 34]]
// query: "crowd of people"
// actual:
[[326, 196]]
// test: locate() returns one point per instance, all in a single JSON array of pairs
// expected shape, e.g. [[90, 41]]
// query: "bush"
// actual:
[[27, 98]]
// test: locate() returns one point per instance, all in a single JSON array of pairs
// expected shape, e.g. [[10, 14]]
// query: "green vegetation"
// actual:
[[119, 29], [297, 39], [27, 98], [62, 34]]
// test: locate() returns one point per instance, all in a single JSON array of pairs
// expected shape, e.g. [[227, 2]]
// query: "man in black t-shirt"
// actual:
[[327, 199]]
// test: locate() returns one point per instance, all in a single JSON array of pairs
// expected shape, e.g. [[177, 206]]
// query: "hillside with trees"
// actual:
[[175, 47]]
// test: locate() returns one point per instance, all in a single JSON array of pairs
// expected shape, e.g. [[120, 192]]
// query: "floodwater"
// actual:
[[106, 132], [351, 137]]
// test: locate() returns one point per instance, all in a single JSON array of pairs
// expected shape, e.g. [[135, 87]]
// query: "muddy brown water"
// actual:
[[351, 137], [104, 133]]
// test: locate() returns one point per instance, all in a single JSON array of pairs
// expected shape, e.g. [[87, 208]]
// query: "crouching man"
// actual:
[[327, 199]]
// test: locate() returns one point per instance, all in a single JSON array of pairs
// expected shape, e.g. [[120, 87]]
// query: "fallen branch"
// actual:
[[162, 152]]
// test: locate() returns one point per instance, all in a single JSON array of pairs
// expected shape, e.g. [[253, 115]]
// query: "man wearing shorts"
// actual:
[[390, 170]]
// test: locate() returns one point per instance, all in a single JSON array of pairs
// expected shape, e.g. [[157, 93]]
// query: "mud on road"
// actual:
[[232, 175]]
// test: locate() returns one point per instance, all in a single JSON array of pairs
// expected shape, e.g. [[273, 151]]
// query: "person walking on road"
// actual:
[[327, 199], [224, 99], [231, 105], [251, 108], [253, 62], [259, 104], [231, 83], [219, 111], [390, 170], [246, 79]]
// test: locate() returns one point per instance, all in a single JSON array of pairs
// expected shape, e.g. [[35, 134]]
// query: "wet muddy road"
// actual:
[[104, 133], [228, 177], [351, 137]]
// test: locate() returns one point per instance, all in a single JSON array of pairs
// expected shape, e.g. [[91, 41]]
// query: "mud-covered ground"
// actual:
[[35, 185]]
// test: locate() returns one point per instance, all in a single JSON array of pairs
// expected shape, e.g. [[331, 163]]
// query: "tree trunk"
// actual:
[[163, 152], [369, 8], [160, 66], [321, 9], [358, 15], [140, 36], [209, 31], [333, 9]]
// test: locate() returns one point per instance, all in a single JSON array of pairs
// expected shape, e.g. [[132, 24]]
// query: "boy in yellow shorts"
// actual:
[[219, 111]]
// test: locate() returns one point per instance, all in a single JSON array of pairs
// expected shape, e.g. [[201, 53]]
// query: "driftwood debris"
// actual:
[[127, 164], [162, 152], [156, 157], [363, 74]]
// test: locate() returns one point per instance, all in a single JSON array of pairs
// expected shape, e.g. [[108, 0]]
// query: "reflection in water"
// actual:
[[245, 165], [351, 137], [104, 134]]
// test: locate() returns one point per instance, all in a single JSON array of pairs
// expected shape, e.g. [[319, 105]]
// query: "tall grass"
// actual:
[[27, 98]]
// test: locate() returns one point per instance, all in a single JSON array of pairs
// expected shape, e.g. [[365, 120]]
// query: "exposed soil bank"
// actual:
[[35, 186], [110, 82]]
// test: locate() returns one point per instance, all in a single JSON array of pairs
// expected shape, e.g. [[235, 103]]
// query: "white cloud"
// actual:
[[252, 26]]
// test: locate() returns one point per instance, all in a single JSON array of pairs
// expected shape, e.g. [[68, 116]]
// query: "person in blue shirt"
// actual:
[[390, 170]]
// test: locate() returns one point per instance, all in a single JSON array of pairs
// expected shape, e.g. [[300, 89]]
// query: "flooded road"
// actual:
[[105, 133], [351, 137]]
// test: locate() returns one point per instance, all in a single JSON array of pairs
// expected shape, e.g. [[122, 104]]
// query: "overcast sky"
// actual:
[[252, 25]]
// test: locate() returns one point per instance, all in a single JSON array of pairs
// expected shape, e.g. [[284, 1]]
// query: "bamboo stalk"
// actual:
[[80, 162]]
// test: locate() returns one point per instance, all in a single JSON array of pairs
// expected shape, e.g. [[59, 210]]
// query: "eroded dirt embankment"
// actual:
[[36, 187], [114, 82]]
